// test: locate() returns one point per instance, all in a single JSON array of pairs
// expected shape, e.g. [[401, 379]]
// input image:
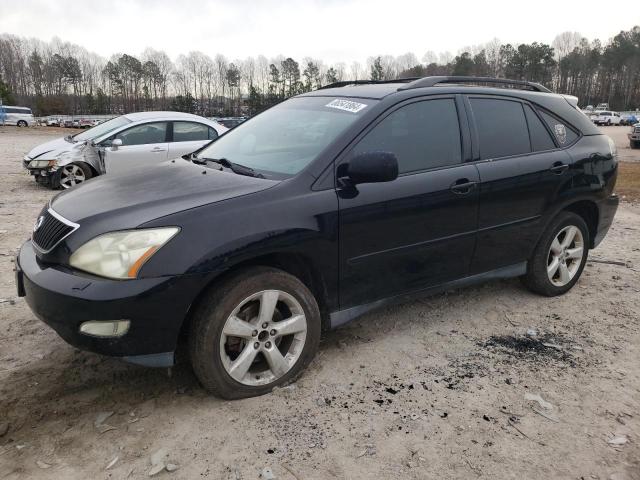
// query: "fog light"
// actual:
[[111, 328]]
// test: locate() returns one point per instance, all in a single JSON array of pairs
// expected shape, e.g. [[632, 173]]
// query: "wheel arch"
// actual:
[[588, 210], [296, 264]]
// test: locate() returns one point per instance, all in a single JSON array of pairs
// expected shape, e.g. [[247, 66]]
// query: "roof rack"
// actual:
[[433, 81], [368, 82]]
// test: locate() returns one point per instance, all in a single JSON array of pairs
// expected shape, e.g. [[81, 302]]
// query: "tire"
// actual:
[[538, 279], [633, 144], [21, 123], [215, 352], [71, 175]]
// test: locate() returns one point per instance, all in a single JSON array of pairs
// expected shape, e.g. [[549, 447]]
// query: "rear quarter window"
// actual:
[[564, 134]]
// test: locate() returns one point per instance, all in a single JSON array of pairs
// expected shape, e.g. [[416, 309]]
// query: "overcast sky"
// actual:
[[331, 30]]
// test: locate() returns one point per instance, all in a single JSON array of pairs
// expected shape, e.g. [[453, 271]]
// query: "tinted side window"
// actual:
[[422, 135], [143, 134], [502, 128], [564, 134], [189, 132], [540, 138]]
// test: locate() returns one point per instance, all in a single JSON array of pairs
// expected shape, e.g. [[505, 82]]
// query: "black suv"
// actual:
[[316, 211]]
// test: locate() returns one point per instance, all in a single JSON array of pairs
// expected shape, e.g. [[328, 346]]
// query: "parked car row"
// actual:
[[318, 210], [72, 123]]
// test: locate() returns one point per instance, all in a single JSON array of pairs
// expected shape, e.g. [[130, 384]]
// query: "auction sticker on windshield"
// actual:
[[346, 105]]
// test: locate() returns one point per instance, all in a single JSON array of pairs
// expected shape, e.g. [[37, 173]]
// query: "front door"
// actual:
[[143, 145], [420, 229]]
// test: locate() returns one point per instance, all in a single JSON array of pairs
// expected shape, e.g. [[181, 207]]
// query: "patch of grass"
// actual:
[[628, 184]]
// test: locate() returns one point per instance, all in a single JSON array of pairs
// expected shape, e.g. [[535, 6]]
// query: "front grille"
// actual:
[[50, 230], [636, 130]]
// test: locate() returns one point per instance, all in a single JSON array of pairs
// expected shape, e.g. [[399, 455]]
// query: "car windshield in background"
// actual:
[[286, 138], [102, 129]]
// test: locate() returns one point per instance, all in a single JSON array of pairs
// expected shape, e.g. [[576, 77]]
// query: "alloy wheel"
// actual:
[[71, 175], [565, 255], [263, 337]]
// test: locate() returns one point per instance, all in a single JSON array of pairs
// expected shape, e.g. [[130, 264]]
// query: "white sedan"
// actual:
[[133, 140]]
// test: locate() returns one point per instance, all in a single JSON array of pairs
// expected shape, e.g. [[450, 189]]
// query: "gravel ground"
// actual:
[[436, 388]]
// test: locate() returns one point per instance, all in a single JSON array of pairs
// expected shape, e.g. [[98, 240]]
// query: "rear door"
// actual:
[[143, 145], [418, 230], [189, 136], [522, 171]]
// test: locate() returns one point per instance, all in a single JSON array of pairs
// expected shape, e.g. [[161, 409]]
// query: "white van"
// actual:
[[19, 116]]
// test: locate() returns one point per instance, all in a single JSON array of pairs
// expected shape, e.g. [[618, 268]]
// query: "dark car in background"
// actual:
[[316, 211], [230, 122]]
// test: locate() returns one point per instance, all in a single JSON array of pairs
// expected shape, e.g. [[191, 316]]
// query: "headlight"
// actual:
[[120, 255], [42, 163]]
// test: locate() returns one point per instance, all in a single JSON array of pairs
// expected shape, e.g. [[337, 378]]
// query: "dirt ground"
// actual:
[[436, 388]]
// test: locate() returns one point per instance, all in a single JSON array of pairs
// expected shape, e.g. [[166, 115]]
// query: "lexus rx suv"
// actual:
[[317, 211]]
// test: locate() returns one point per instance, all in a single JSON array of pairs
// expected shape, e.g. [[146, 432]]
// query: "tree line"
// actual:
[[58, 77]]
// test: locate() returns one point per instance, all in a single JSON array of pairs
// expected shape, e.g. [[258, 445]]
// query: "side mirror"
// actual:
[[115, 143], [373, 167]]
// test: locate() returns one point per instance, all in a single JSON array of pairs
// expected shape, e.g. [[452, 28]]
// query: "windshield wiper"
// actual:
[[234, 167], [69, 138]]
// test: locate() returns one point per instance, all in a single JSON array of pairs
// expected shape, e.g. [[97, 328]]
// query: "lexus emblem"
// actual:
[[38, 223]]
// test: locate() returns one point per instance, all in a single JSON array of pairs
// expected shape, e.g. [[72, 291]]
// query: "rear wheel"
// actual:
[[559, 257], [256, 330], [73, 174]]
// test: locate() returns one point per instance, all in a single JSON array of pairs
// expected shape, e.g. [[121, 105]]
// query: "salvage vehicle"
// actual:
[[320, 209], [634, 136], [120, 144]]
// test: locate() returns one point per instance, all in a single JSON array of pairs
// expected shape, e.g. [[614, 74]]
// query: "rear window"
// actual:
[[502, 128], [564, 134]]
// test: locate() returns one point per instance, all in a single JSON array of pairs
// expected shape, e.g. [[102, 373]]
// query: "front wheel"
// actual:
[[21, 123], [559, 257], [73, 174], [256, 330]]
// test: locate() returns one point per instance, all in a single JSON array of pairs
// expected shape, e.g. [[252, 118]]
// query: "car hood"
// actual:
[[52, 148], [127, 200]]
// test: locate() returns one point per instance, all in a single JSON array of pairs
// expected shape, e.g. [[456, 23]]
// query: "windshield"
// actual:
[[102, 129], [286, 138]]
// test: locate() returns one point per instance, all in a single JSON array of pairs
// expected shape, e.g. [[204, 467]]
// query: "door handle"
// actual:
[[559, 168], [158, 149], [462, 186]]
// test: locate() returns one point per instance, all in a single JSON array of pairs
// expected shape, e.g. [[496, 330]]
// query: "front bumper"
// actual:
[[64, 299], [635, 136], [607, 209]]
